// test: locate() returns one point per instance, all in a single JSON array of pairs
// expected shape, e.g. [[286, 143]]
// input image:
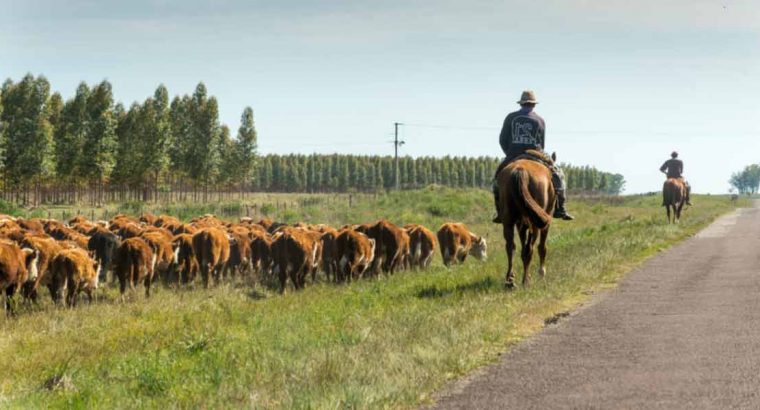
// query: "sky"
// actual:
[[621, 84]]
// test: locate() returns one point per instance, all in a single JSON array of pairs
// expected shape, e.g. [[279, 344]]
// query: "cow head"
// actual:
[[479, 248]]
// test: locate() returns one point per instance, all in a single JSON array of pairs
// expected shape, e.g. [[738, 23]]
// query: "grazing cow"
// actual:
[[163, 253], [211, 247], [457, 242], [355, 252], [73, 270], [240, 253], [294, 252], [261, 251], [422, 243], [330, 256], [148, 218], [14, 262], [46, 248], [134, 261], [63, 233], [184, 258], [391, 245], [130, 230], [103, 243], [31, 225]]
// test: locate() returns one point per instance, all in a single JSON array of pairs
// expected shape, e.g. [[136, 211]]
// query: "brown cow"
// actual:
[[261, 251], [330, 256], [456, 242], [164, 253], [211, 247], [46, 248], [134, 261], [294, 252], [422, 243], [355, 252], [73, 270], [184, 259], [13, 270], [239, 262], [391, 245]]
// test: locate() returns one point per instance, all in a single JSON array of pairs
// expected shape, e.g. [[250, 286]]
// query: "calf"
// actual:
[[211, 247], [356, 252], [46, 248], [73, 270], [457, 242], [184, 258], [14, 262], [422, 245], [103, 243], [134, 261], [294, 252]]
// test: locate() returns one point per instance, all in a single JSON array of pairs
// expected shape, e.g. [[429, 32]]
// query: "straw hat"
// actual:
[[528, 97]]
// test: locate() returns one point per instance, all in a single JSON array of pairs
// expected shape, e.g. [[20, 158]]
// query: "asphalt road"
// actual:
[[680, 332]]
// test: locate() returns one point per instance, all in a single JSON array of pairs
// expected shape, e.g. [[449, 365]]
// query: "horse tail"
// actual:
[[536, 214]]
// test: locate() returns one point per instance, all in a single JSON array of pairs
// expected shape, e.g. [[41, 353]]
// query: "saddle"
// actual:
[[536, 155]]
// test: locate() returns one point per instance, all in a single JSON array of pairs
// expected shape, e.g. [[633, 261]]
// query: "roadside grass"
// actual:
[[390, 342]]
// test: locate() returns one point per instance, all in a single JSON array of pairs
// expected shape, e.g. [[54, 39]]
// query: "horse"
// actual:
[[673, 197], [527, 203]]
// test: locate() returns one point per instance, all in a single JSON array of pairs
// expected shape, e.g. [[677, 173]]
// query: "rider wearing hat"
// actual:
[[673, 168], [524, 130]]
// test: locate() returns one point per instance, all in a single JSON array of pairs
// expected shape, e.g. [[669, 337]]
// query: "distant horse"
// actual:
[[526, 202], [673, 198]]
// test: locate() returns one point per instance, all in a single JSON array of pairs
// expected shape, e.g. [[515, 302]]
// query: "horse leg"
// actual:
[[528, 239], [542, 251], [667, 207], [509, 238]]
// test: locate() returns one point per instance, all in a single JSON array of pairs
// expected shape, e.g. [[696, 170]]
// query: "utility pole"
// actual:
[[396, 144]]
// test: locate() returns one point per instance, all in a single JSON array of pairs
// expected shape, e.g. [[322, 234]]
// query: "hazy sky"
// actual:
[[621, 83]]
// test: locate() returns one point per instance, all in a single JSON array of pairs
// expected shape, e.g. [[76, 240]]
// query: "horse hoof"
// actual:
[[509, 285], [542, 272]]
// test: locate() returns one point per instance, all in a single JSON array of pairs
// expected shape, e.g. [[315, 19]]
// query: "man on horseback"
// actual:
[[523, 131], [673, 168]]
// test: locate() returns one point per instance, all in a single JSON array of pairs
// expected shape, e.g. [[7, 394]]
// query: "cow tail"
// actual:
[[521, 192]]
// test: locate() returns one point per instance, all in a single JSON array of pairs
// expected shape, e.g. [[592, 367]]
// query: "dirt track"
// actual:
[[682, 331]]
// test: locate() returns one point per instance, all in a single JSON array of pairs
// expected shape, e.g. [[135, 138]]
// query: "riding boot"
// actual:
[[560, 211], [688, 193], [495, 188], [559, 188]]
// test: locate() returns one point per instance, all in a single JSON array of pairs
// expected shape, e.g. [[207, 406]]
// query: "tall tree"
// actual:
[[98, 151], [245, 148]]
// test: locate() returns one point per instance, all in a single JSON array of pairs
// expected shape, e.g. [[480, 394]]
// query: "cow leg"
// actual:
[[542, 251], [88, 292], [71, 295], [509, 239], [9, 291], [146, 283]]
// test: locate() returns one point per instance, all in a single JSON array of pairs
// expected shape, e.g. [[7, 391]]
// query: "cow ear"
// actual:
[[554, 156]]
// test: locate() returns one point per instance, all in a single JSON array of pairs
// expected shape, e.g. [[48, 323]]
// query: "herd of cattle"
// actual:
[[69, 258]]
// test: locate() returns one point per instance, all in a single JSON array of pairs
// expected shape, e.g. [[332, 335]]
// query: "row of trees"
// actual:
[[341, 173], [60, 151], [91, 142], [747, 181]]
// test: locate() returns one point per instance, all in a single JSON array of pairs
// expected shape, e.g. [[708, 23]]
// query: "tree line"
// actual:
[[90, 147], [746, 181], [368, 173]]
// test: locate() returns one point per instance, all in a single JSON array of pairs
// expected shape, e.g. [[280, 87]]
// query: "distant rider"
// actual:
[[524, 130], [673, 168]]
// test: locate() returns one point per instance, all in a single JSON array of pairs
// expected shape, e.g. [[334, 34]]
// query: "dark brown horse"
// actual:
[[527, 202], [673, 198]]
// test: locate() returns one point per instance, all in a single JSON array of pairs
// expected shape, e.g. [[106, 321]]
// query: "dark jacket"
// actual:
[[673, 167], [522, 130]]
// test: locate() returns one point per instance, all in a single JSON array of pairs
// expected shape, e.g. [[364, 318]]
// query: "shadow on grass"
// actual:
[[482, 285]]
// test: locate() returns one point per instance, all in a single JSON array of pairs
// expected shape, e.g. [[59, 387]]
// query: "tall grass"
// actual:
[[390, 342]]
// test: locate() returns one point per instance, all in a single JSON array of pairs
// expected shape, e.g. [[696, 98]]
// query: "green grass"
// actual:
[[391, 342]]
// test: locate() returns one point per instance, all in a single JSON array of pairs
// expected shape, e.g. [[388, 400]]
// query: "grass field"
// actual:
[[391, 342]]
